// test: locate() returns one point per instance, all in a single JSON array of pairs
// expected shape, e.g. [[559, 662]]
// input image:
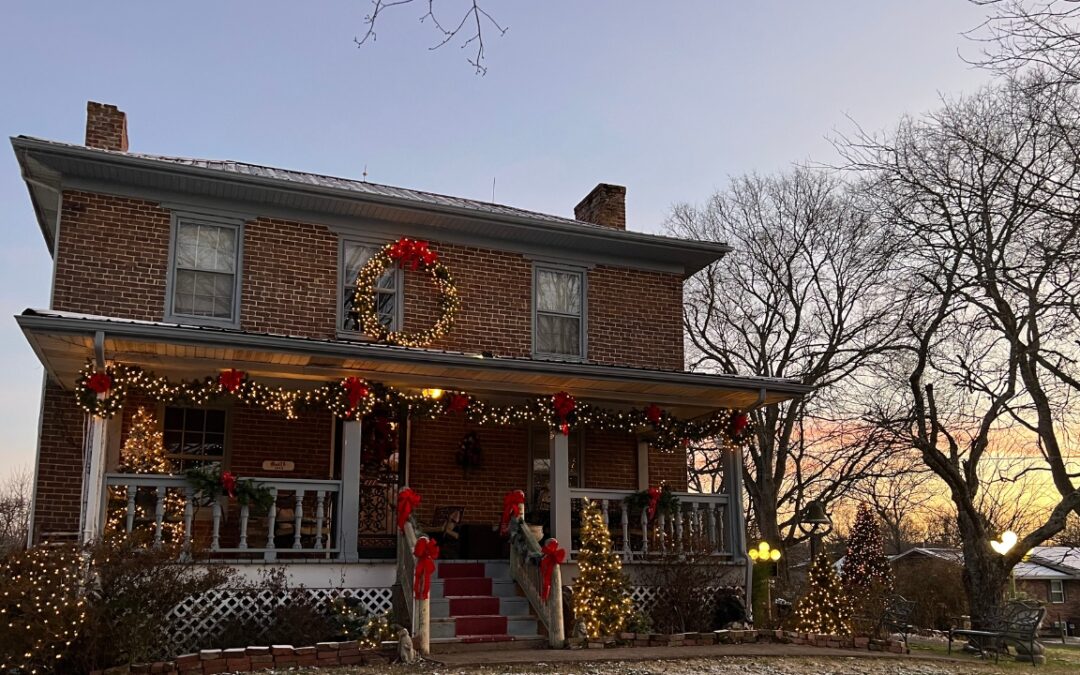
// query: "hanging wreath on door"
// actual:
[[470, 455]]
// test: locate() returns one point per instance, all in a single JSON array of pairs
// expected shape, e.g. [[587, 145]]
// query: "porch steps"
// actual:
[[476, 603]]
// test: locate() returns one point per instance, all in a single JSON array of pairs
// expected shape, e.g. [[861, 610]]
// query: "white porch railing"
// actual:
[[525, 556], [701, 523], [309, 506]]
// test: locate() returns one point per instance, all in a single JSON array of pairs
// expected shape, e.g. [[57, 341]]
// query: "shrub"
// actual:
[[685, 586], [287, 614], [935, 586]]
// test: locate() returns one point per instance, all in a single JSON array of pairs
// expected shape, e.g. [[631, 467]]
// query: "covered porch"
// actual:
[[333, 496]]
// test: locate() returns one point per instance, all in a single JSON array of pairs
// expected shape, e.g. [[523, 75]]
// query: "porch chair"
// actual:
[[445, 529]]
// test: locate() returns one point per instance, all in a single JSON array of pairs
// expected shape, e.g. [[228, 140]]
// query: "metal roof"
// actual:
[[46, 165]]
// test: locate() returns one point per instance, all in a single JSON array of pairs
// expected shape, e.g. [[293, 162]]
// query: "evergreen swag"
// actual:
[[867, 577], [210, 483], [667, 505], [823, 607], [602, 603]]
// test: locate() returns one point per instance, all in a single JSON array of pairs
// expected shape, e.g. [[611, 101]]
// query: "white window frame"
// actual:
[[1059, 592], [342, 284], [236, 224], [583, 336]]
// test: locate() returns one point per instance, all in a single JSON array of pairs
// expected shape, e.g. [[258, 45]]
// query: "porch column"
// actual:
[[736, 530], [560, 489], [349, 515], [642, 465], [95, 460]]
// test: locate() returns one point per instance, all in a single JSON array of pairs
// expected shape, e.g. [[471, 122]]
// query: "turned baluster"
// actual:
[[244, 511], [320, 513], [271, 523], [130, 513], [298, 520], [159, 514]]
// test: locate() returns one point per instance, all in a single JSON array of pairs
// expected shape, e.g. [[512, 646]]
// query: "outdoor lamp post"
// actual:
[[763, 555], [816, 523]]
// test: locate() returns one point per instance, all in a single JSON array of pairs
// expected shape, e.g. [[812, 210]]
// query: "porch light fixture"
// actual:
[[764, 553], [434, 394]]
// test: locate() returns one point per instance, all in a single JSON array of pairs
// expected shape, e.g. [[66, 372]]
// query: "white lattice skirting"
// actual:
[[645, 597], [192, 622]]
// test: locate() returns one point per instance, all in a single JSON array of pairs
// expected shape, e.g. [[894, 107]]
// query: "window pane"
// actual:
[[355, 257], [203, 294], [206, 247], [215, 421], [558, 335], [172, 441], [194, 419], [558, 292]]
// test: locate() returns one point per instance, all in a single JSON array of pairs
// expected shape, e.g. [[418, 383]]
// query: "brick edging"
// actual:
[[255, 659], [739, 637]]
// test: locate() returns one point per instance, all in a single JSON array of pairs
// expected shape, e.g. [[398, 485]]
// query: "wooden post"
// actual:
[[423, 628], [560, 489], [556, 632], [95, 448], [349, 497]]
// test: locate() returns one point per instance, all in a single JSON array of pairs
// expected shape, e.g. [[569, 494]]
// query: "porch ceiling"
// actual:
[[64, 342]]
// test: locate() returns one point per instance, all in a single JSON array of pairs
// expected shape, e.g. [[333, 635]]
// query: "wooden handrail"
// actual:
[[419, 610], [525, 556]]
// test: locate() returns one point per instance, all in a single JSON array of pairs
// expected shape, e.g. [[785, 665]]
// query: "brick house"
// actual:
[[196, 270]]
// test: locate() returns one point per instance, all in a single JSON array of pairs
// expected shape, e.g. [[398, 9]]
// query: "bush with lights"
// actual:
[[823, 608], [602, 603], [867, 576]]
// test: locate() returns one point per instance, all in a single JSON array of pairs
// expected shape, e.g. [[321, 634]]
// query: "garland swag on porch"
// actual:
[[102, 393]]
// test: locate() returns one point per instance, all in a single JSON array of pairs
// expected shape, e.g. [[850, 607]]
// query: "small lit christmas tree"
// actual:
[[144, 447], [823, 608], [867, 577], [602, 602], [144, 452]]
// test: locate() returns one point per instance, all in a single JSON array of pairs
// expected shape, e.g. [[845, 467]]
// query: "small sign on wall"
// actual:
[[278, 465]]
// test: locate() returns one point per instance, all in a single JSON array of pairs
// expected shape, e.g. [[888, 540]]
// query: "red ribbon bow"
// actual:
[[99, 382], [412, 253], [426, 552], [457, 403], [553, 555], [563, 404], [231, 379], [228, 483], [512, 503], [739, 423], [407, 500], [654, 501], [356, 390], [653, 413]]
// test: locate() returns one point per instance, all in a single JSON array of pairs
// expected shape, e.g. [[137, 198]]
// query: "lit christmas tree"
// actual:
[[823, 608], [602, 600], [867, 577], [144, 452]]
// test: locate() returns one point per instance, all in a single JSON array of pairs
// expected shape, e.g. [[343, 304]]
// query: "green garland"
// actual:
[[209, 486], [102, 393], [667, 505]]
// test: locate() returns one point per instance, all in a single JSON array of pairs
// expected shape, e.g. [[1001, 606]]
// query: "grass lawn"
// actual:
[[1060, 659]]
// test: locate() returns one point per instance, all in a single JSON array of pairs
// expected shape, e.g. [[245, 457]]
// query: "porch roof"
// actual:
[[64, 341]]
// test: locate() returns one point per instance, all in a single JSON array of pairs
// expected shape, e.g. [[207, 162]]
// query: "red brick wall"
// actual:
[[1064, 611], [59, 472], [434, 473], [257, 435], [113, 259], [668, 468], [610, 461]]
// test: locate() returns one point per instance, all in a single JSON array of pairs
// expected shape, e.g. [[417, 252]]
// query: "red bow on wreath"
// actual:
[[457, 403], [654, 501], [426, 552], [653, 413], [512, 503], [407, 500], [99, 382], [739, 423], [356, 390], [412, 254], [563, 404], [231, 379], [553, 555], [228, 483]]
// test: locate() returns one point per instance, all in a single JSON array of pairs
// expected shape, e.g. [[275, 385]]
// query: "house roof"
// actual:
[[1042, 562], [64, 341], [263, 190]]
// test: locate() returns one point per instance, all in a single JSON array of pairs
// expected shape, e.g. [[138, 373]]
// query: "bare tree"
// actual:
[[901, 502], [1022, 35], [804, 296], [15, 491], [469, 22], [986, 193]]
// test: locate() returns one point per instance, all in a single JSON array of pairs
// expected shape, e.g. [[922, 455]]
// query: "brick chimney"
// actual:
[[106, 127], [605, 205]]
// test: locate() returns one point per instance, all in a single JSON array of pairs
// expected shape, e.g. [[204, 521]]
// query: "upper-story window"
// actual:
[[1057, 591], [205, 271], [354, 256], [558, 313]]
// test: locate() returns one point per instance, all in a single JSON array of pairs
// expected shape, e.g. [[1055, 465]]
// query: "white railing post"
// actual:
[[271, 525], [714, 540], [215, 534], [625, 530], [129, 519], [298, 519], [644, 532], [159, 513], [349, 495], [244, 512], [556, 629], [189, 517], [678, 522], [320, 513]]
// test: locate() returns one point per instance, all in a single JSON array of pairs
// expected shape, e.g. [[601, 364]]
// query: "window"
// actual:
[[194, 436], [1057, 591], [558, 314], [540, 466], [205, 263], [387, 300]]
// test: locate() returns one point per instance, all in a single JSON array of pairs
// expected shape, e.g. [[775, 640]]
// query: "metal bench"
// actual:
[[1018, 624], [897, 617]]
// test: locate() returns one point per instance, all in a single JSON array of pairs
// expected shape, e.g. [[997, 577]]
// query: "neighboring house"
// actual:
[[238, 276], [1049, 574]]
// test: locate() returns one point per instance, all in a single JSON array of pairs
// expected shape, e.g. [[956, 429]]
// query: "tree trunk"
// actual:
[[985, 576]]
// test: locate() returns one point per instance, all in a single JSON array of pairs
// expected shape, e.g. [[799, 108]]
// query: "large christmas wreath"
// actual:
[[412, 255]]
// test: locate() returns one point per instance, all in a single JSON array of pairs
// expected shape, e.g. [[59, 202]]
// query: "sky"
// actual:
[[668, 99]]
